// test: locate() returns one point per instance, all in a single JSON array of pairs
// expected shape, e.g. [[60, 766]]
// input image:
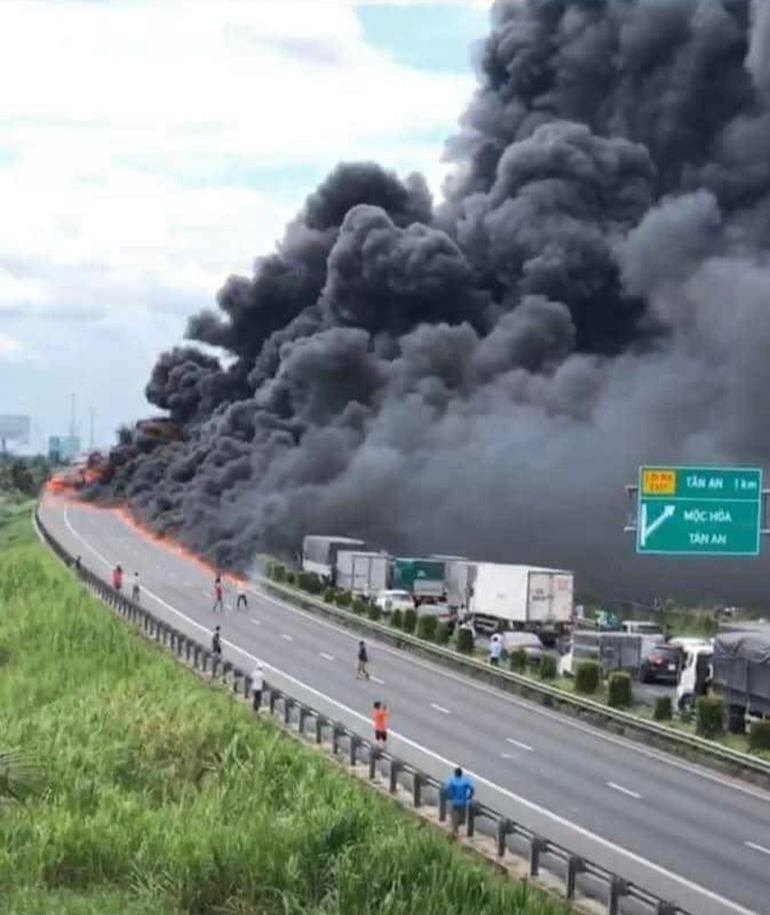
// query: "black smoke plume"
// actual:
[[485, 375]]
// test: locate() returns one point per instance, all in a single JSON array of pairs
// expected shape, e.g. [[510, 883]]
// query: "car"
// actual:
[[662, 662], [533, 647], [388, 601]]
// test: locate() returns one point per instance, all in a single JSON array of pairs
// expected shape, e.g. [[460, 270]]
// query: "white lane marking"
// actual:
[[509, 756], [530, 805], [288, 638], [326, 657], [623, 790], [255, 621], [518, 743], [765, 851], [376, 680], [440, 708], [532, 707]]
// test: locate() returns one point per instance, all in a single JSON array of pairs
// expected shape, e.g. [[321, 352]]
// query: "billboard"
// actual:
[[15, 428]]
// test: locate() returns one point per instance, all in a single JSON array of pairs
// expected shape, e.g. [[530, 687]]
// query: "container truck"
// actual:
[[500, 596], [319, 553], [422, 578], [741, 666], [362, 573]]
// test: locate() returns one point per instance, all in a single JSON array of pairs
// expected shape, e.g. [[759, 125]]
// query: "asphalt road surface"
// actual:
[[687, 834]]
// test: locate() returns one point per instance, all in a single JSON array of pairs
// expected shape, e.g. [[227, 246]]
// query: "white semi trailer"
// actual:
[[499, 596], [362, 573]]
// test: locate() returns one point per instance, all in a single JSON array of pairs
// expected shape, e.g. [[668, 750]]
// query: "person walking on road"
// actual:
[[257, 685], [363, 659], [380, 721], [136, 591], [219, 603], [241, 597], [117, 577], [495, 650], [458, 791]]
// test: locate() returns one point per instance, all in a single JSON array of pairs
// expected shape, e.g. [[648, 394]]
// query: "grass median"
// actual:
[[164, 796]]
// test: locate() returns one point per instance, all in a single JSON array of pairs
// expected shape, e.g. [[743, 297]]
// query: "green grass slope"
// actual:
[[166, 797]]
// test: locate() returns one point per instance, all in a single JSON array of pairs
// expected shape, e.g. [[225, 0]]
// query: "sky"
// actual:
[[150, 149]]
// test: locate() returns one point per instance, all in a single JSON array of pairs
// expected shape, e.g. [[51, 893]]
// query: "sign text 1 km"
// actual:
[[699, 510]]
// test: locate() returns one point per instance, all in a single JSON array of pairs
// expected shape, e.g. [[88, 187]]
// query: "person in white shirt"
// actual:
[[495, 650], [257, 685], [241, 597], [136, 591]]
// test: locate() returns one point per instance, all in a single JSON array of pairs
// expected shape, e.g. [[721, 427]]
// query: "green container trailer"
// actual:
[[421, 577]]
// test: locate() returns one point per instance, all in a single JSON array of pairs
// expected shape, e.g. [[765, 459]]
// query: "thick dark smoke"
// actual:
[[484, 377]]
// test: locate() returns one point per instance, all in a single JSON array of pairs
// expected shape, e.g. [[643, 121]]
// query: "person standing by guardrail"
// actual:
[[380, 721], [117, 577], [257, 685], [242, 599], [458, 790], [136, 591], [216, 643], [495, 650]]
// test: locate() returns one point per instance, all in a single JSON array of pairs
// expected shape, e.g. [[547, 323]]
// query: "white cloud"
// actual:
[[132, 138]]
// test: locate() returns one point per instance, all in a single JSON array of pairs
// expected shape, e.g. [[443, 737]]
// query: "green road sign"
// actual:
[[699, 510]]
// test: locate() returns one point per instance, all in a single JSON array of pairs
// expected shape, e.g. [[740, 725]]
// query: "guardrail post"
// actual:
[[536, 845], [575, 866], [417, 780], [471, 811], [666, 908], [374, 755], [205, 661], [355, 741], [320, 721], [395, 767], [274, 694], [618, 889], [247, 685], [226, 669], [288, 704], [237, 674], [188, 645], [337, 731], [441, 805], [196, 656], [302, 712], [504, 828]]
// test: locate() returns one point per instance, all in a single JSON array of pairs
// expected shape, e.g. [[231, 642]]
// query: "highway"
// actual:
[[685, 833]]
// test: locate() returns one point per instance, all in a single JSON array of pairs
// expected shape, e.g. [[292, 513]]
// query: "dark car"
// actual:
[[662, 663]]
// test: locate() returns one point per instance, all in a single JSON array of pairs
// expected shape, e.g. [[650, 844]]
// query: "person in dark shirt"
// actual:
[[363, 659]]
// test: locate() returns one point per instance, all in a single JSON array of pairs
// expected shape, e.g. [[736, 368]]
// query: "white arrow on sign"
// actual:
[[645, 531]]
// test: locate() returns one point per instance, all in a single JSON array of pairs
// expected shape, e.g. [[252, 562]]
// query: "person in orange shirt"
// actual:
[[380, 718]]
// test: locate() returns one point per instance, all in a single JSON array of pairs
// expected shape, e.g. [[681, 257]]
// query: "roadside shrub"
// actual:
[[397, 619], [709, 716], [442, 634], [343, 599], [410, 620], [310, 582], [548, 667], [619, 694], [278, 571], [359, 606], [517, 660], [587, 678], [427, 624], [373, 611], [663, 710], [291, 578], [328, 595], [759, 735], [465, 641]]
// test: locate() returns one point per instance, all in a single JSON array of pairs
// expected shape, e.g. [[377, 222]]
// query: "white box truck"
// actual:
[[362, 573], [499, 596]]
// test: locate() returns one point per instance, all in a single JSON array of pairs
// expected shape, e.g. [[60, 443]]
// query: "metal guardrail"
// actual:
[[677, 741], [580, 876]]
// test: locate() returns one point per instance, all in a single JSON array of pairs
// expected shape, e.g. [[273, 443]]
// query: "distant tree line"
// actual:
[[23, 474]]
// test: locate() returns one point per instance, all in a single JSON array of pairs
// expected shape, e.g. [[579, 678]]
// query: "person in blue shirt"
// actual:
[[458, 790]]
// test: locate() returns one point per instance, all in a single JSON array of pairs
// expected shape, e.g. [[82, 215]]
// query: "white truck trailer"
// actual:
[[499, 596], [362, 573]]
